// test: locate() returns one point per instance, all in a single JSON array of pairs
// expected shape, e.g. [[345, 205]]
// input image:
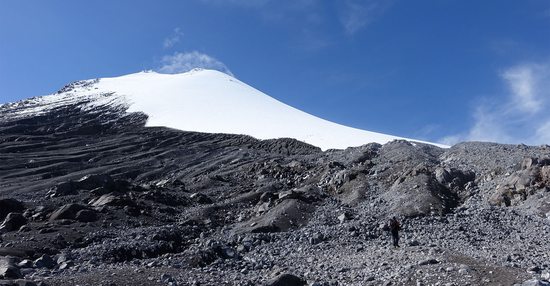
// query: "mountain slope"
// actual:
[[114, 202], [213, 102]]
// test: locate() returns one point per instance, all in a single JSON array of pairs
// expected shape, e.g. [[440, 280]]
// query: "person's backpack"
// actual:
[[394, 225]]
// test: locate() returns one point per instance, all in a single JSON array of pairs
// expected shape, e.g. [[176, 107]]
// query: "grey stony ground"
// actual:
[[95, 198]]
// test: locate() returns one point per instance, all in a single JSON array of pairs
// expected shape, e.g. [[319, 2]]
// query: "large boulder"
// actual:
[[13, 222], [533, 176], [10, 206], [104, 200], [10, 272], [8, 269], [67, 211], [286, 215], [454, 178], [201, 198], [45, 261], [117, 199], [63, 189], [545, 175], [86, 215], [95, 181]]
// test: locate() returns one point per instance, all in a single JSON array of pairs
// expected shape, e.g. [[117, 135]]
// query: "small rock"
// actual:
[[45, 261], [66, 265], [428, 261], [286, 280], [343, 217], [414, 242], [25, 264], [534, 270], [316, 238], [165, 278], [228, 252]]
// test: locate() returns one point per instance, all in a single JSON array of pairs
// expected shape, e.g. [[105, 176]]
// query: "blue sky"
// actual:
[[439, 70]]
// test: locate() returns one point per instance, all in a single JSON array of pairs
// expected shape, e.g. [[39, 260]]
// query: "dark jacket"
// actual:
[[394, 225]]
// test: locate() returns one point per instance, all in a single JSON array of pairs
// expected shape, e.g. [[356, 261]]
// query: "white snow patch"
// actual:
[[213, 102]]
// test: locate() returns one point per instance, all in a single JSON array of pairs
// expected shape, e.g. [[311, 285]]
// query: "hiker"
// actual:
[[394, 227]]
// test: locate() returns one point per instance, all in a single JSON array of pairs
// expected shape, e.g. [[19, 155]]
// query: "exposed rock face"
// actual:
[[533, 177]]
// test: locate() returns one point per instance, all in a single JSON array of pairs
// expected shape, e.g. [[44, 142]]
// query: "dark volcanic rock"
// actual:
[[10, 206], [45, 261], [287, 280], [63, 189], [8, 269], [95, 181], [13, 222], [10, 272], [67, 211], [86, 216], [201, 198], [106, 200]]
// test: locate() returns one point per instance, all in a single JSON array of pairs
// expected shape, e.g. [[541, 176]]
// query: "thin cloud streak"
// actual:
[[357, 15], [173, 39], [243, 3], [523, 82], [354, 15], [184, 62]]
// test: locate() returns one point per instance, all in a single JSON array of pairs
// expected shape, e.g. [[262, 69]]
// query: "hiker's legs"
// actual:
[[395, 236]]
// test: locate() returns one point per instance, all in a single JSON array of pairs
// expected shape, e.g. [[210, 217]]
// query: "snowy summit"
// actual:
[[213, 102]]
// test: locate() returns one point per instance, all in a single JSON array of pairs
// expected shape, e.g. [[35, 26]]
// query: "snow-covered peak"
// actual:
[[214, 102]]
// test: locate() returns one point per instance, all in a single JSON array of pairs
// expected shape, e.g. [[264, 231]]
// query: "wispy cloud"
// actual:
[[354, 15], [243, 3], [184, 62], [518, 117], [175, 38], [523, 82], [357, 14]]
